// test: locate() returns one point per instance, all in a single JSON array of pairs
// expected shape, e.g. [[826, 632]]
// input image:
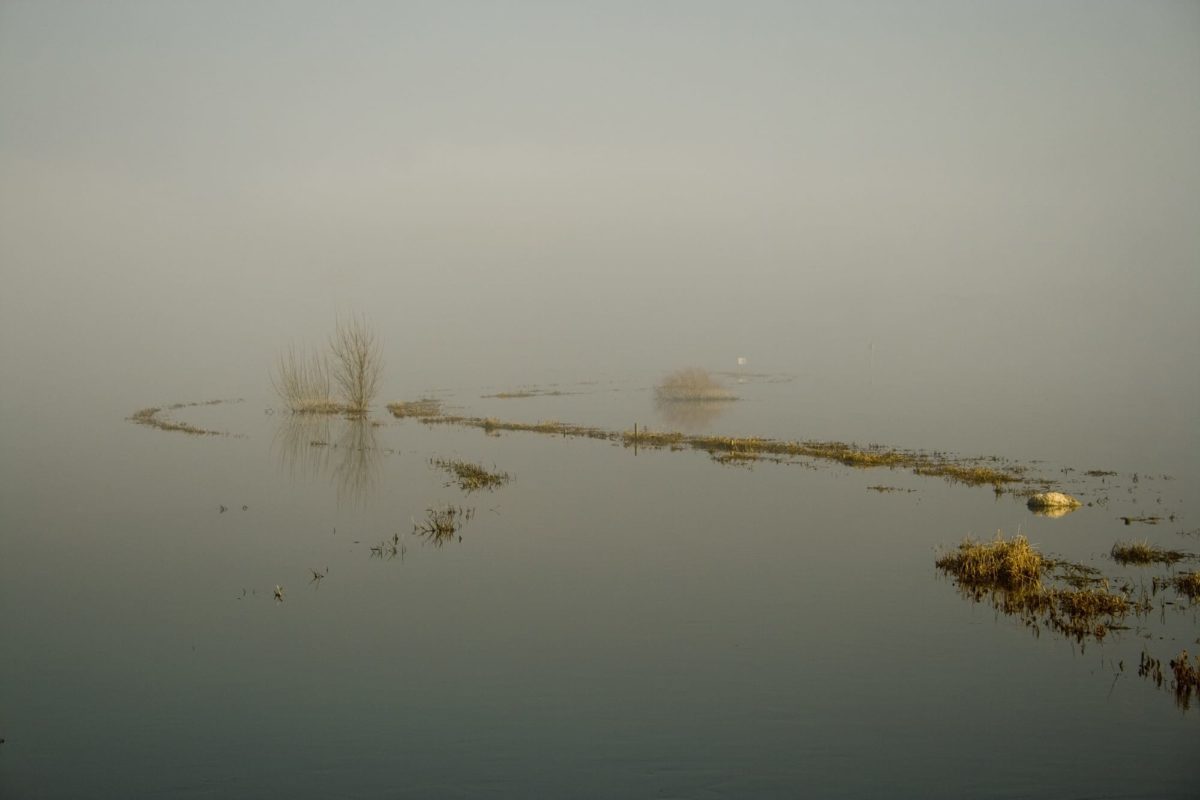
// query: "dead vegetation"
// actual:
[[471, 477], [1142, 552], [155, 417]]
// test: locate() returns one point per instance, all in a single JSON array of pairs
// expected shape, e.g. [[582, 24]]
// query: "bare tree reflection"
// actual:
[[356, 468], [302, 444], [343, 448]]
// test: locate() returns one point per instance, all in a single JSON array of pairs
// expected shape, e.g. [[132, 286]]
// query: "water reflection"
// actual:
[[343, 448], [690, 416]]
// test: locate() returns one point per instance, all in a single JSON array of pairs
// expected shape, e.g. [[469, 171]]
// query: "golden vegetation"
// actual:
[[1006, 563], [1020, 581]]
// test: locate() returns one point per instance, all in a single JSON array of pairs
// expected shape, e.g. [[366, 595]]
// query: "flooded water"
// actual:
[[609, 623], [962, 231]]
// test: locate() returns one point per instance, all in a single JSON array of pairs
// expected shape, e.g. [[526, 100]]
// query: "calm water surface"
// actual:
[[608, 624]]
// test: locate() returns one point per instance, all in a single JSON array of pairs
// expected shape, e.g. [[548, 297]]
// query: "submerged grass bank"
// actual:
[[155, 417], [972, 472]]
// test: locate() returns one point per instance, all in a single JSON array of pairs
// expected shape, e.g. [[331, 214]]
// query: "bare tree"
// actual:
[[357, 362]]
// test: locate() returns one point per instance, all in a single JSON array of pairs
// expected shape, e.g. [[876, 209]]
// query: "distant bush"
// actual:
[[689, 385]]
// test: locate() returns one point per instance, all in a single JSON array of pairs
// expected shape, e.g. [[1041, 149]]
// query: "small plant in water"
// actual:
[[471, 477], [441, 524]]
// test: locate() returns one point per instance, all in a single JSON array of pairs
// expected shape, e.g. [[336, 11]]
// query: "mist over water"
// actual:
[[937, 226]]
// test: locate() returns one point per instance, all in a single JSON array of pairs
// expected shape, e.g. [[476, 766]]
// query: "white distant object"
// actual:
[[741, 361]]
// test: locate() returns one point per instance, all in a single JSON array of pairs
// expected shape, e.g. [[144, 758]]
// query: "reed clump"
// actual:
[[1142, 552], [472, 477], [690, 385]]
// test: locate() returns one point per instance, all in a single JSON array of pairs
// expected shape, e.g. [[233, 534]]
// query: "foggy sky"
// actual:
[[1003, 191]]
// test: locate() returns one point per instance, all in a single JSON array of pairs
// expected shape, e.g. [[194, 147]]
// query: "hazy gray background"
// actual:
[[962, 200]]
